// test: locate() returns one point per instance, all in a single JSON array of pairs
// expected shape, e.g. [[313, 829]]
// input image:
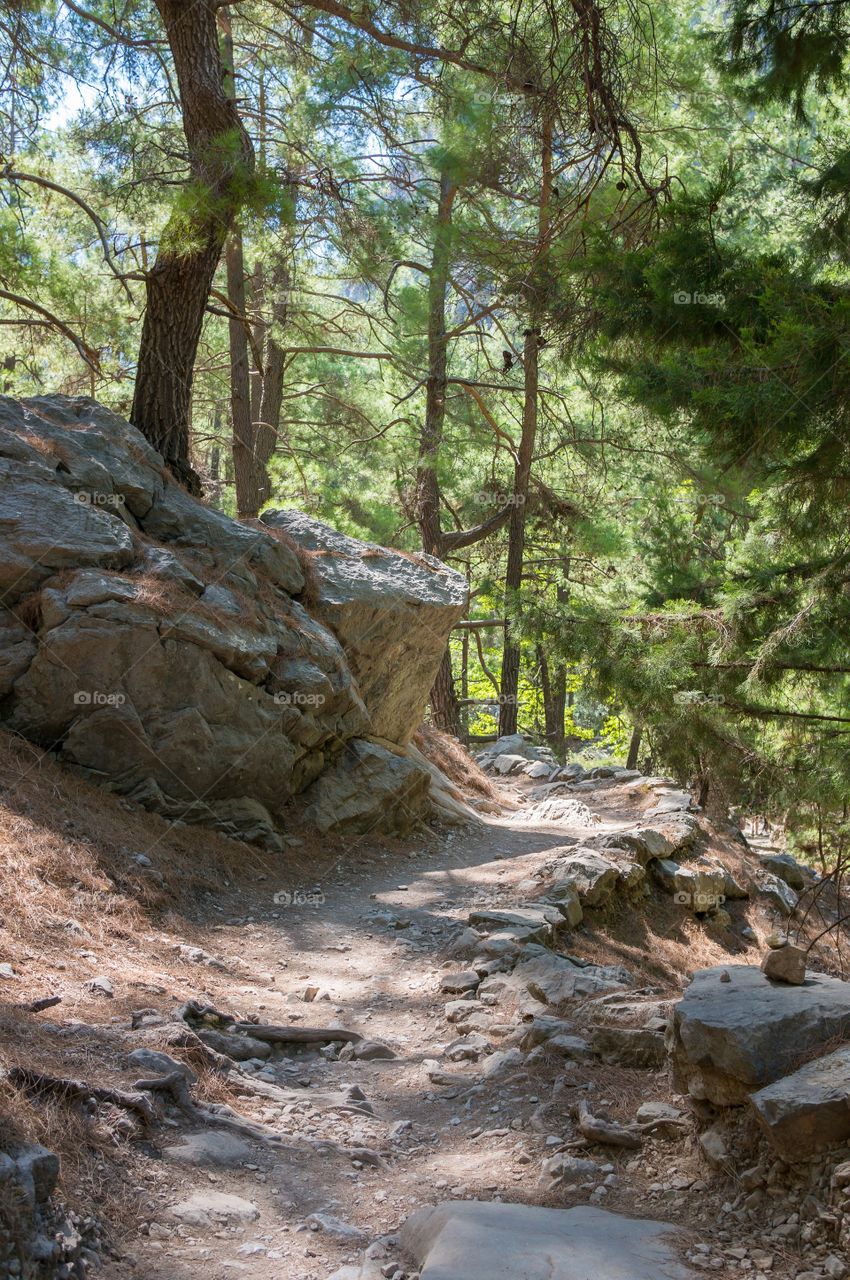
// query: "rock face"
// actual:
[[368, 788], [38, 1241], [494, 1241], [390, 612], [810, 1110], [165, 651], [730, 1038]]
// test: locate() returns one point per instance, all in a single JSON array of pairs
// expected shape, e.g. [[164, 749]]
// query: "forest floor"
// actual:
[[375, 947]]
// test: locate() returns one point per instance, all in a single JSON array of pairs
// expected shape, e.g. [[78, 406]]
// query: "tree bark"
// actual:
[[444, 707], [242, 427], [554, 688], [221, 158], [634, 748], [508, 706]]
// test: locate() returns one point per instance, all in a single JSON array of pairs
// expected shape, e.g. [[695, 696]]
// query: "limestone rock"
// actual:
[[731, 1038], [206, 1208], [592, 876], [168, 657], [368, 787], [498, 1241], [808, 1111], [391, 613], [786, 868], [785, 964], [209, 1147], [553, 979], [779, 894]]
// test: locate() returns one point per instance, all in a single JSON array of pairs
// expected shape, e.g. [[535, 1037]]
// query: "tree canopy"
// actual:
[[558, 293]]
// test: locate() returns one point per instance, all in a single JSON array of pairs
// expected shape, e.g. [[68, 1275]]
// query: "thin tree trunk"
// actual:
[[268, 421], [508, 706], [554, 689], [177, 288], [634, 748], [247, 504], [444, 708]]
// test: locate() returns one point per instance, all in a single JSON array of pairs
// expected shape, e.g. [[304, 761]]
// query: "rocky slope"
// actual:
[[206, 668]]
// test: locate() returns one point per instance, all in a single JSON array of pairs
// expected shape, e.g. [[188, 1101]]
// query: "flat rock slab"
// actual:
[[472, 1240], [731, 1038], [808, 1111], [209, 1148], [207, 1208]]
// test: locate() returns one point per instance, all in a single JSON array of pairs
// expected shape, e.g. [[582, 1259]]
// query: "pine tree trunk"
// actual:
[[508, 705], [178, 285], [509, 702], [242, 427], [634, 748], [444, 708], [554, 689]]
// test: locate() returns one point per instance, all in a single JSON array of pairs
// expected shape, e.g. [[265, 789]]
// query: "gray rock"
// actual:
[[179, 665], [731, 1038], [392, 614], [630, 1046], [207, 1208], [210, 1147], [156, 1063], [506, 764], [786, 868], [569, 1169], [779, 894], [366, 788], [553, 979], [785, 964], [589, 874], [525, 923], [657, 1111], [497, 1241], [701, 890], [467, 980], [808, 1111], [371, 1050], [713, 1146], [100, 986]]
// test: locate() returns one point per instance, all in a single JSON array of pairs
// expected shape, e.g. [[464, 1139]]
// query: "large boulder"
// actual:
[[735, 1031], [391, 612], [368, 788], [808, 1111], [495, 1241], [167, 651]]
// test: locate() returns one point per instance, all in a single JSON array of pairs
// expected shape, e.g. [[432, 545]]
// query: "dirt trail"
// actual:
[[375, 947]]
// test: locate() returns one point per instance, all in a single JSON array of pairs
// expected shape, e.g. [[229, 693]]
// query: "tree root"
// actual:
[[80, 1090]]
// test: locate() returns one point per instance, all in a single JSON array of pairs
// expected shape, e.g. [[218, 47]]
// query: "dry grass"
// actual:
[[455, 762]]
